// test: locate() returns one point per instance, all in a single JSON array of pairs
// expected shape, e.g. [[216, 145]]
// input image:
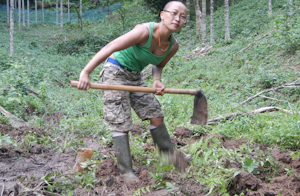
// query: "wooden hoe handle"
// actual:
[[136, 88]]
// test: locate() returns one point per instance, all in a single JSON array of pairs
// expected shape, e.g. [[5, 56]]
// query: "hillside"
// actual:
[[247, 154]]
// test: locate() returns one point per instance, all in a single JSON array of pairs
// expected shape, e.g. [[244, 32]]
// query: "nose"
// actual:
[[177, 17]]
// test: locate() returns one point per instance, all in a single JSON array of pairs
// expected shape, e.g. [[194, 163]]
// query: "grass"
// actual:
[[44, 54]]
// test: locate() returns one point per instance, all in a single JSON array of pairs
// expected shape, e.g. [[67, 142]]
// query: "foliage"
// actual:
[[5, 139], [47, 59]]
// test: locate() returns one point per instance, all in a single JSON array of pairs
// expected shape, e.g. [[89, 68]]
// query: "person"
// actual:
[[127, 55]]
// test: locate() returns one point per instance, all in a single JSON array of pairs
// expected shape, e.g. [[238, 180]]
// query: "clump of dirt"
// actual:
[[283, 185], [55, 117], [19, 133], [231, 144], [182, 132], [4, 129], [107, 168]]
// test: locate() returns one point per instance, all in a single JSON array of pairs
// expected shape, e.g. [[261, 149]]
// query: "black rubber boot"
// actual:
[[122, 151], [162, 140]]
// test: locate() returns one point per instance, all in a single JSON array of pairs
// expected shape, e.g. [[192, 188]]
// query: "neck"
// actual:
[[164, 32]]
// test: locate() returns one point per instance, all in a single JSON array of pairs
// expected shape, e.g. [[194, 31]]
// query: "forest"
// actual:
[[243, 55]]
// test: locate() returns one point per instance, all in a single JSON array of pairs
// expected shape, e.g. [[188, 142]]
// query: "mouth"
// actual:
[[175, 24]]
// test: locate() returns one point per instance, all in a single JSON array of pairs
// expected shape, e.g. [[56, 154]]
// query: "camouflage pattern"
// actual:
[[118, 104]]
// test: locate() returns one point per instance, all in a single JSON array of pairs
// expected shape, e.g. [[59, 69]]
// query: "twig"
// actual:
[[257, 111], [59, 82], [277, 100], [290, 85], [33, 92], [252, 44]]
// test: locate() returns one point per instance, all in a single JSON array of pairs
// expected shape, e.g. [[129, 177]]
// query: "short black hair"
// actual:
[[171, 2]]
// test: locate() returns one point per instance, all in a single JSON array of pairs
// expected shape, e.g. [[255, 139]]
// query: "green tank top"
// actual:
[[137, 57]]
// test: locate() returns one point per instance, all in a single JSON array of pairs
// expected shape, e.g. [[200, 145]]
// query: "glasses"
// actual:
[[174, 15]]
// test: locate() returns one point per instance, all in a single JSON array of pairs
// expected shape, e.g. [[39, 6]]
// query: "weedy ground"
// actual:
[[245, 155]]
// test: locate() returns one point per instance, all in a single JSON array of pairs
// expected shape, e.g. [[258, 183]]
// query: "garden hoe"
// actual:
[[200, 104]]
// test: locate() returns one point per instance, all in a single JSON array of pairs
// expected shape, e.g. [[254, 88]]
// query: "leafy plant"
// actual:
[[250, 165], [5, 139]]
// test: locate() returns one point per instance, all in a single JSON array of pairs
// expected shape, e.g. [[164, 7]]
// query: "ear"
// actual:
[[162, 15]]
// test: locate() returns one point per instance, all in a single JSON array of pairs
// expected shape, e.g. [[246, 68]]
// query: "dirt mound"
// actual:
[[284, 185], [107, 168], [182, 132], [18, 166], [231, 144], [19, 133], [286, 159], [55, 117]]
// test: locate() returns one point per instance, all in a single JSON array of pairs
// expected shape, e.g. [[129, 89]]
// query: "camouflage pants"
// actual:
[[118, 104]]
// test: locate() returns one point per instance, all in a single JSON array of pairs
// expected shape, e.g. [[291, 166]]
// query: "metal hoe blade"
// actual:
[[200, 109]]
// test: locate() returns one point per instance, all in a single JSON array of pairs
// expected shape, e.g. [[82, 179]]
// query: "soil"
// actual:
[[20, 168]]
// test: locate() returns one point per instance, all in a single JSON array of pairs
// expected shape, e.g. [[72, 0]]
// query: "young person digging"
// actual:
[[148, 43]]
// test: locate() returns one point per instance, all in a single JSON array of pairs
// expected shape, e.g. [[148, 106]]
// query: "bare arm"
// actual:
[[157, 70], [133, 37]]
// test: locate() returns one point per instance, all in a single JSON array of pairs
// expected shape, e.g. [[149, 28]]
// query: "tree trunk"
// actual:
[[23, 13], [198, 17], [56, 13], [270, 6], [61, 15], [227, 32], [42, 10], [80, 7], [212, 40], [7, 10], [19, 4], [35, 7], [28, 18], [11, 46], [203, 22], [188, 33], [290, 2], [68, 10]]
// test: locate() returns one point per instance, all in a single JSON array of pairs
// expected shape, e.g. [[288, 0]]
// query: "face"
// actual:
[[174, 16]]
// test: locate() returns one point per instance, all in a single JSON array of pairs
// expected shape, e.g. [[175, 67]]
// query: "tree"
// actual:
[[35, 7], [270, 6], [198, 17], [28, 18], [80, 10], [42, 10], [68, 10], [11, 45], [23, 13], [7, 9], [156, 5], [188, 34], [19, 4], [61, 15], [227, 33], [290, 2], [56, 13], [212, 40], [203, 22]]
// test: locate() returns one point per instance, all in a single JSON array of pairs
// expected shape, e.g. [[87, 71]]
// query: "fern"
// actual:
[[143, 190]]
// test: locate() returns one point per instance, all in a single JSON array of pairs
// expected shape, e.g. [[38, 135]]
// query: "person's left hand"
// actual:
[[159, 86]]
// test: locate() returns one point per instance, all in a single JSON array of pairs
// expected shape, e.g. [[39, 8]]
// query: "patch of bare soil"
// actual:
[[28, 168], [19, 133], [284, 184], [55, 117]]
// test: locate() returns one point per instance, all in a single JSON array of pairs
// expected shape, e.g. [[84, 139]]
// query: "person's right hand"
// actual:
[[84, 81]]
